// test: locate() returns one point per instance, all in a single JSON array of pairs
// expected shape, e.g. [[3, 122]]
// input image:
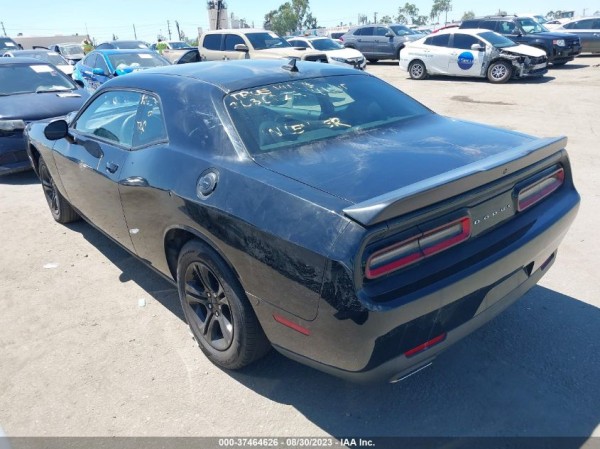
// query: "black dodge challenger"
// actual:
[[311, 208]]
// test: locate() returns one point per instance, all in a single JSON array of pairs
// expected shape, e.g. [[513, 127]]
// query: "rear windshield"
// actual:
[[22, 79], [278, 116]]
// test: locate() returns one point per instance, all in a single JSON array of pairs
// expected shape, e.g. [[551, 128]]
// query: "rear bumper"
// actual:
[[401, 366], [371, 345]]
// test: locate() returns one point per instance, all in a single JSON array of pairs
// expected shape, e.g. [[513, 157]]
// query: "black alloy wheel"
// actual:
[[216, 308], [208, 307]]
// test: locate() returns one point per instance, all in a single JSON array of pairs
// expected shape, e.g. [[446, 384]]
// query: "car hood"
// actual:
[[374, 162], [554, 35], [30, 107], [526, 50]]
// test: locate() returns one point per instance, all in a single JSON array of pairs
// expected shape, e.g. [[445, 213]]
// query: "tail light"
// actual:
[[407, 252], [535, 192]]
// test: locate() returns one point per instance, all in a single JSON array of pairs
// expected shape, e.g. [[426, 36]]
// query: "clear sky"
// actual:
[[103, 18]]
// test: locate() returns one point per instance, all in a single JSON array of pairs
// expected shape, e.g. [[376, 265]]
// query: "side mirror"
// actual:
[[390, 34], [56, 129], [98, 71], [79, 83], [477, 47], [241, 47]]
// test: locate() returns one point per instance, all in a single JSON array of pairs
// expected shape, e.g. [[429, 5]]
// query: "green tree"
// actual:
[[290, 17], [411, 11], [386, 20], [401, 18], [467, 15], [439, 7]]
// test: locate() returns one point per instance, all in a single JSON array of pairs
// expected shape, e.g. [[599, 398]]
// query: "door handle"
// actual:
[[111, 167], [134, 181]]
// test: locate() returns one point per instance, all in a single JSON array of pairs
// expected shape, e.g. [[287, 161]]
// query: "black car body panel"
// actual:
[[560, 47], [301, 225], [28, 107]]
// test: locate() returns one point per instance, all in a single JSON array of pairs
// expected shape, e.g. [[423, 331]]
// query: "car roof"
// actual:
[[37, 50], [116, 51], [21, 60], [239, 30], [471, 31], [236, 74]]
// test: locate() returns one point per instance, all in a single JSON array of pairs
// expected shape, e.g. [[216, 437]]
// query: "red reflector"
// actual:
[[426, 345], [536, 192], [291, 324]]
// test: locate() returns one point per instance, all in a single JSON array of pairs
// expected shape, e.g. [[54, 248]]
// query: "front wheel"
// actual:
[[417, 70], [499, 72], [61, 210], [217, 309]]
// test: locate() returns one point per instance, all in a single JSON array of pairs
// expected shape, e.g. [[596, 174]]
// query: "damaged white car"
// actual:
[[472, 52]]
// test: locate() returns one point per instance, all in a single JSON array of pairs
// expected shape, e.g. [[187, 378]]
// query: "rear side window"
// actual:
[[212, 42], [231, 40], [367, 31], [440, 40], [582, 25]]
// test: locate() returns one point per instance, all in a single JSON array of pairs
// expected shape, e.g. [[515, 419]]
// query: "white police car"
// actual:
[[472, 52]]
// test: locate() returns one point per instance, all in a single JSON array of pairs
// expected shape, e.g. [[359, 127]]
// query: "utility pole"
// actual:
[[375, 17], [178, 31], [134, 33], [169, 29], [3, 30]]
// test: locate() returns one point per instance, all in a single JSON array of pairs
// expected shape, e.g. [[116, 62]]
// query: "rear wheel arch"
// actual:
[[176, 238]]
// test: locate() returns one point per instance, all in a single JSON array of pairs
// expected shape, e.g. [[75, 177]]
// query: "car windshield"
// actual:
[[497, 40], [7, 44], [29, 78], [300, 112], [326, 44], [402, 30], [71, 50], [121, 61], [530, 26], [262, 41]]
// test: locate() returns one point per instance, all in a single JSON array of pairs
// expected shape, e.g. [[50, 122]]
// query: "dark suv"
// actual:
[[560, 47], [380, 41]]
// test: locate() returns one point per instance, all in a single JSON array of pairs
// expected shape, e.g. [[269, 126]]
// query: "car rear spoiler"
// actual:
[[452, 183]]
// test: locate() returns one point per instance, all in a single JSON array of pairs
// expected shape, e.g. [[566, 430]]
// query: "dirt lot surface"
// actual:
[[92, 343]]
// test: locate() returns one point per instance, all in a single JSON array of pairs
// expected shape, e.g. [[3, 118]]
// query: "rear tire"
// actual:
[[499, 72], [417, 70], [60, 208], [217, 310]]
